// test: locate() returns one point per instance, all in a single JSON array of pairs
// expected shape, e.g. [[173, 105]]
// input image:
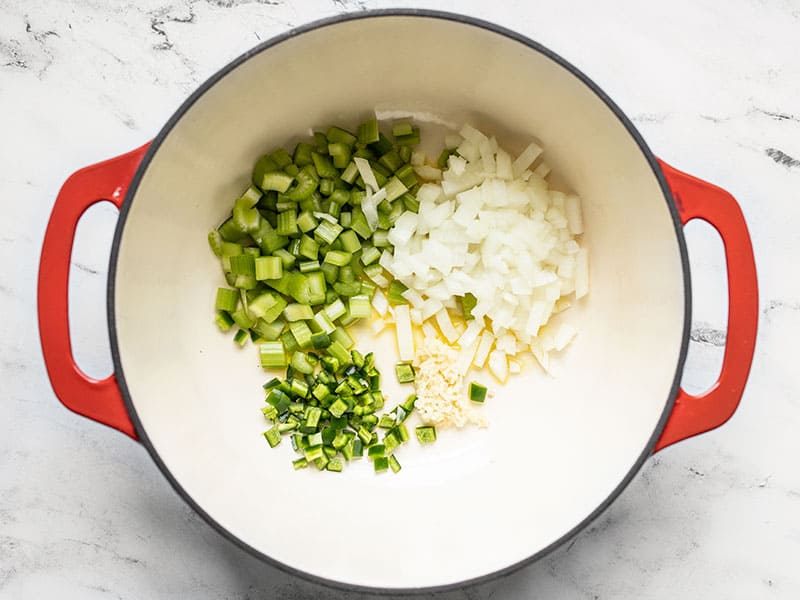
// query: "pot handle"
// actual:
[[697, 199], [99, 400]]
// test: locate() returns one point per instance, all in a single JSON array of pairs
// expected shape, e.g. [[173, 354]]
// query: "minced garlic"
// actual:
[[440, 387]]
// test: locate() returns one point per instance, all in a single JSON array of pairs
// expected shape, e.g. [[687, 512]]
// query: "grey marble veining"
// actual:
[[713, 87]]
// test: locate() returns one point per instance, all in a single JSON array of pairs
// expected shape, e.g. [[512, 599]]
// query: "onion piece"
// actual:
[[369, 206], [380, 303], [465, 356], [428, 172], [526, 159], [498, 365], [365, 170], [485, 343], [413, 296], [403, 332], [572, 208], [446, 326], [429, 331], [472, 332], [563, 336]]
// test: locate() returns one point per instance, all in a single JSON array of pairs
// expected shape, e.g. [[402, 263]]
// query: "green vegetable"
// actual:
[[426, 434], [273, 436], [394, 464], [272, 354], [241, 337], [268, 267], [405, 372], [468, 302], [223, 320], [227, 299], [299, 257], [477, 392]]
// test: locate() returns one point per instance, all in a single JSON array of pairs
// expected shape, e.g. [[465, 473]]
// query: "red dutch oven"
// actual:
[[478, 503]]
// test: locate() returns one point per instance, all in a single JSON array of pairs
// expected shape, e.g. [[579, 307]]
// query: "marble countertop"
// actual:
[[713, 87]]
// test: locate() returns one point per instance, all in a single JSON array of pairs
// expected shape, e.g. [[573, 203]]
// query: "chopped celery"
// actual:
[[223, 320], [241, 337], [268, 267], [272, 354], [277, 181], [298, 312], [301, 261], [227, 299]]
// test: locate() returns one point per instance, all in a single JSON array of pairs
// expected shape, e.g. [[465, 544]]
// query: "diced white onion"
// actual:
[[405, 338], [543, 170], [414, 297], [362, 164], [494, 228], [572, 207], [526, 159], [446, 326], [380, 303], [428, 172], [377, 325], [465, 356], [498, 365], [429, 331], [504, 170], [563, 336], [473, 330], [485, 343]]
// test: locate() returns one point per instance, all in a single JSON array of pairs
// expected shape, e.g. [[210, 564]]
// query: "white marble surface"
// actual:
[[715, 89]]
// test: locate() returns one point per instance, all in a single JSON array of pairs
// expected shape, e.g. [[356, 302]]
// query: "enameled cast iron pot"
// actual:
[[476, 504]]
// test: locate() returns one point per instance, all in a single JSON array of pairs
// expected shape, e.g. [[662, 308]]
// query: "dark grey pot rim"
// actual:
[[429, 14]]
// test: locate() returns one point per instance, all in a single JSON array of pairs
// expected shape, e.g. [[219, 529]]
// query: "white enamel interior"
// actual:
[[477, 500]]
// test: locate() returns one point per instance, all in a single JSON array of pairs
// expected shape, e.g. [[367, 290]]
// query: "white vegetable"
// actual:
[[414, 298], [543, 170], [405, 338], [403, 229], [492, 227], [468, 132], [377, 325], [572, 206], [504, 170], [473, 330], [563, 336], [465, 356], [446, 326], [380, 303], [542, 357], [526, 159], [428, 172], [485, 344], [362, 164], [417, 158], [429, 331], [369, 205]]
